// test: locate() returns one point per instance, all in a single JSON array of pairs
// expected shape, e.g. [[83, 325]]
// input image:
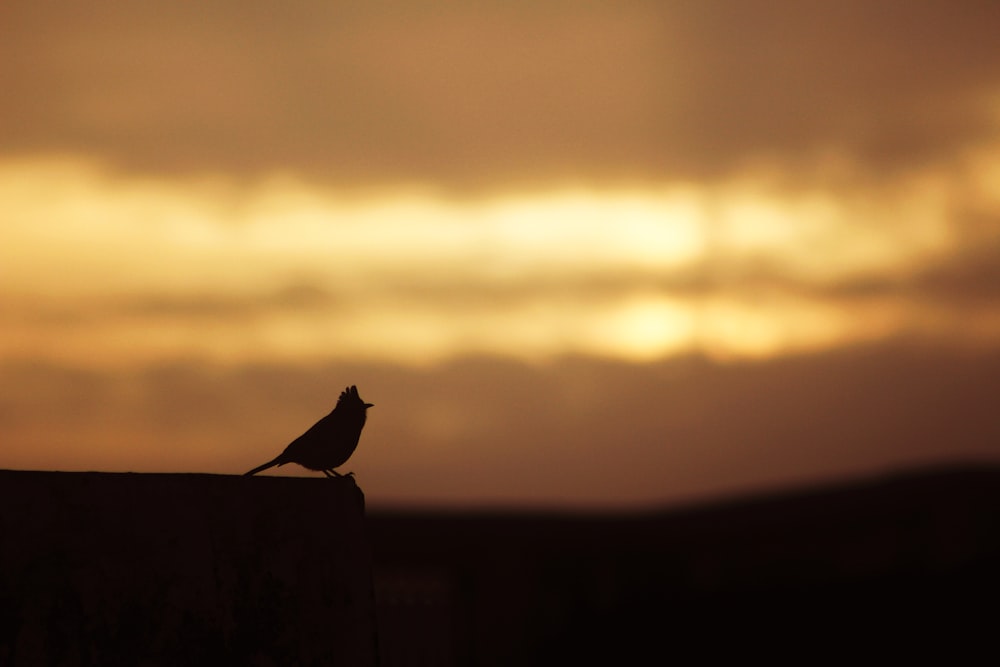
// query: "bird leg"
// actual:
[[327, 473]]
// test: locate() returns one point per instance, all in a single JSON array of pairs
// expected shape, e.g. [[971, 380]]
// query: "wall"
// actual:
[[169, 569]]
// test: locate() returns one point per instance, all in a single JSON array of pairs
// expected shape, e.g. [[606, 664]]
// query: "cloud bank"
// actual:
[[488, 94]]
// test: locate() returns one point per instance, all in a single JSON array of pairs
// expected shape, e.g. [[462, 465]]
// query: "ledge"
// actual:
[[168, 569]]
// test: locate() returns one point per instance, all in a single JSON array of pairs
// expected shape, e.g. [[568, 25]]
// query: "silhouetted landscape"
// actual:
[[104, 568], [896, 564]]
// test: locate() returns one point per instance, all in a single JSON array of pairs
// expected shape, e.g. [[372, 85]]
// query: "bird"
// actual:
[[329, 442]]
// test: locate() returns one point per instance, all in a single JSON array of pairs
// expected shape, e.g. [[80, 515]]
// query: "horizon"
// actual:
[[763, 497]]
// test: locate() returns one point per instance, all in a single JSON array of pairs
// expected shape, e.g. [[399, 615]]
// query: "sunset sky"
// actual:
[[578, 254]]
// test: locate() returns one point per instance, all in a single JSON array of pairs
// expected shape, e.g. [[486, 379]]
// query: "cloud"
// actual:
[[106, 267], [973, 274], [481, 94], [229, 307]]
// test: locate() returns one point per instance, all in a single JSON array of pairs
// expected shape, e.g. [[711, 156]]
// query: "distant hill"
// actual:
[[901, 565]]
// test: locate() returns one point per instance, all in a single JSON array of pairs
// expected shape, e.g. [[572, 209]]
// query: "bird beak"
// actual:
[[369, 405]]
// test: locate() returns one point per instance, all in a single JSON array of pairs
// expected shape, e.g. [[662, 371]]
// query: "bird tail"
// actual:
[[270, 464]]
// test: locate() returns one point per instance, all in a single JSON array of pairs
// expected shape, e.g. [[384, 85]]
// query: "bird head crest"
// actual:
[[350, 397]]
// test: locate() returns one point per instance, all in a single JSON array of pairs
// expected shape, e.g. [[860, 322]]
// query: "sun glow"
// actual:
[[101, 267]]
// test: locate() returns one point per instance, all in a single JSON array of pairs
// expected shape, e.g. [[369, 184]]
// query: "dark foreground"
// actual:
[[105, 569], [894, 568], [141, 569]]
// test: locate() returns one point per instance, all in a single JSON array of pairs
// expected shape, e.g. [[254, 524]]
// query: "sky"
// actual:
[[578, 254]]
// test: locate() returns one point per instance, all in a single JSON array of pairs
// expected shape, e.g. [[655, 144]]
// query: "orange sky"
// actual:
[[578, 254]]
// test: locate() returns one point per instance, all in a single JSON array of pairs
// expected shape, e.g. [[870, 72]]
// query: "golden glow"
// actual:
[[100, 268], [644, 328]]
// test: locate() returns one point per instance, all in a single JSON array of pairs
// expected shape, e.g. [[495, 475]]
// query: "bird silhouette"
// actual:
[[330, 441]]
